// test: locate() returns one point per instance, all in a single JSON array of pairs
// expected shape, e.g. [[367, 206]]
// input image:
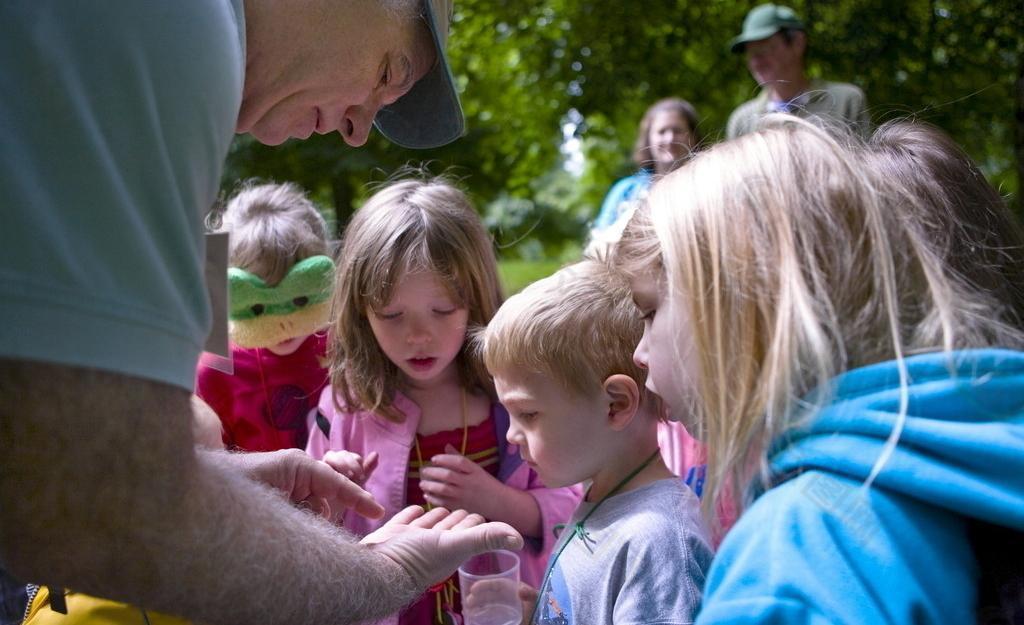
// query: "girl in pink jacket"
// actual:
[[410, 413]]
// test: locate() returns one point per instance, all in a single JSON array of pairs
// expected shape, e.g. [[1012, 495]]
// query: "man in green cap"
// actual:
[[774, 41]]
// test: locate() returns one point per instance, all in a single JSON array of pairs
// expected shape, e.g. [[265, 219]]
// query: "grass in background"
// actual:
[[516, 274]]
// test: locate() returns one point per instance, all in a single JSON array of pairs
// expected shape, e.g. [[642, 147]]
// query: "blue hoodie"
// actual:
[[821, 548]]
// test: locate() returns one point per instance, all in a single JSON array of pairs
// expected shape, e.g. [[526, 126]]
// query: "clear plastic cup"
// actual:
[[489, 584]]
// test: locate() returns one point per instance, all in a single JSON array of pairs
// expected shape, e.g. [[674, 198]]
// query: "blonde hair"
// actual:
[[797, 262], [272, 227], [407, 227], [578, 327]]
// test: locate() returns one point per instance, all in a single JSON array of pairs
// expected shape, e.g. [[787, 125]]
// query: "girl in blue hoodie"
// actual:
[[838, 341]]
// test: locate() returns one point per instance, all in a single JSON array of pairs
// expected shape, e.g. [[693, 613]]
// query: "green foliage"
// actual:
[[522, 65], [515, 275], [953, 64], [549, 224]]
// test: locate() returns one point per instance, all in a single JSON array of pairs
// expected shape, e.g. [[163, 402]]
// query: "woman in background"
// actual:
[[668, 135]]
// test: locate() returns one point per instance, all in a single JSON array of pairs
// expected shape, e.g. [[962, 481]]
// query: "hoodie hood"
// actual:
[[962, 445]]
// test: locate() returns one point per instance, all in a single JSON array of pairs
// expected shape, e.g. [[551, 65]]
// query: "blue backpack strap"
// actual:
[[507, 463], [695, 478]]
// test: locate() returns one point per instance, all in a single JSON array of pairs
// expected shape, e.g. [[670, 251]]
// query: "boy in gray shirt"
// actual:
[[635, 551]]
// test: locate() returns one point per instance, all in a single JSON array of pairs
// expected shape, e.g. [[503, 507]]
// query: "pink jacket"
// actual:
[[362, 432], [683, 454]]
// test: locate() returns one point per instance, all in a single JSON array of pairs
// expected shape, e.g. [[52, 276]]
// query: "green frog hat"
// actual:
[[299, 305]]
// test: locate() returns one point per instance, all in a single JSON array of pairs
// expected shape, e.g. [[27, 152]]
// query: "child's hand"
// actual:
[[456, 482], [528, 595], [315, 484], [353, 466]]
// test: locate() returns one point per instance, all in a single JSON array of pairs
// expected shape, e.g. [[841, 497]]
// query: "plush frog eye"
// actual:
[[308, 282]]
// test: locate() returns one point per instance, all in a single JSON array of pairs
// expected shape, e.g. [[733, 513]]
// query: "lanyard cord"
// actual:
[[448, 587], [578, 531]]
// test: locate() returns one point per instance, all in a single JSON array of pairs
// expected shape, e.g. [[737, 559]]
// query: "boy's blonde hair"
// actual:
[[578, 327], [798, 262], [272, 227], [407, 227]]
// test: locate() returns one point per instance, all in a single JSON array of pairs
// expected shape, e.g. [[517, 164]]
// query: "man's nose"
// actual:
[[355, 125]]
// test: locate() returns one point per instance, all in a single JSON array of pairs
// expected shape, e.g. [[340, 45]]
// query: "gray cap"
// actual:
[[429, 115], [764, 21]]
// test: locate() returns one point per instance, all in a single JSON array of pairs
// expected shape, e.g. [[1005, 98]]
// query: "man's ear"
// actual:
[[623, 398]]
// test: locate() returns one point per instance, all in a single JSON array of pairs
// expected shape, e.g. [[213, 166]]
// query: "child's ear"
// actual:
[[623, 397]]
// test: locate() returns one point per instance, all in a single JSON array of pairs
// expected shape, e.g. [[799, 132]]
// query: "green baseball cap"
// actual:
[[429, 115], [764, 21]]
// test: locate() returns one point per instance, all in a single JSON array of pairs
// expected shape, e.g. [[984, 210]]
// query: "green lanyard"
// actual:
[[578, 530]]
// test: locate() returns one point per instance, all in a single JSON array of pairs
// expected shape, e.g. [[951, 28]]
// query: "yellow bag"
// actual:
[[83, 609]]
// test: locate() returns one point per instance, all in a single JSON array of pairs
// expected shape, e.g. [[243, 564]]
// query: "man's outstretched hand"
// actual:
[[429, 546]]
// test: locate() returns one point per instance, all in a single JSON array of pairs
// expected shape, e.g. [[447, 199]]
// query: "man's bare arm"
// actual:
[[102, 491]]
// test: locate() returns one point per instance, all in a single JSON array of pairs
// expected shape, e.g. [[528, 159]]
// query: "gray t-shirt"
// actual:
[[115, 121], [642, 559]]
